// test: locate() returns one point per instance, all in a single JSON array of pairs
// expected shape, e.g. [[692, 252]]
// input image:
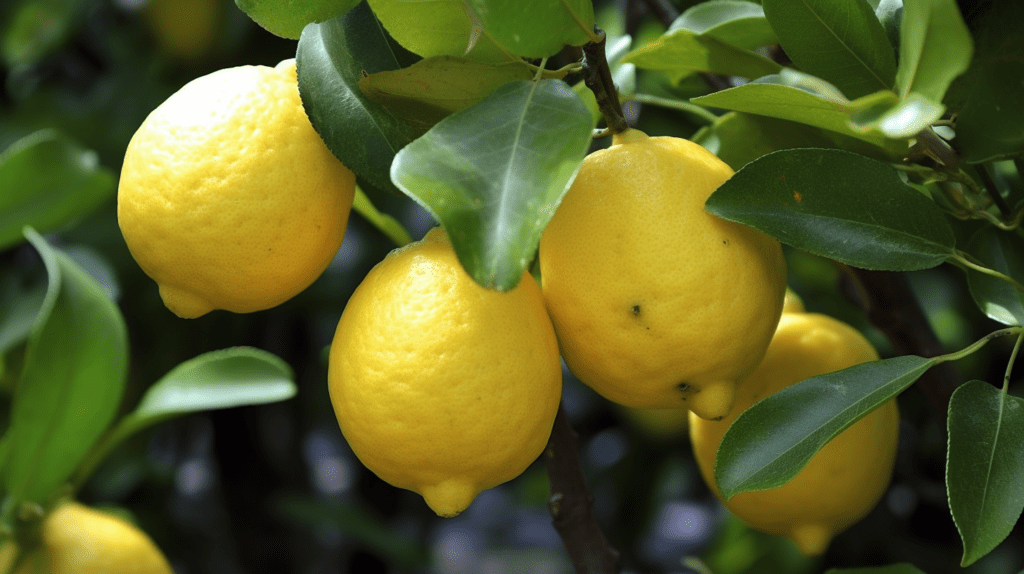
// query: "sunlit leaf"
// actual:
[[935, 48], [536, 28], [439, 28], [735, 22]]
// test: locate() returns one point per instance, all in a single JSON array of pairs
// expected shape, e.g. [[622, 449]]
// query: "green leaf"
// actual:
[[386, 224], [36, 28], [984, 466], [287, 19], [221, 379], [48, 181], [439, 28], [997, 298], [738, 138], [799, 98], [331, 58], [895, 118], [494, 173], [72, 383], [682, 52], [735, 22], [890, 14], [990, 123], [804, 417], [841, 42], [935, 48], [901, 568], [20, 302], [536, 28], [430, 90], [838, 205]]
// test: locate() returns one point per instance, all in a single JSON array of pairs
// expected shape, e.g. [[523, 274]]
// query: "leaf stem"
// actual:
[[993, 190], [680, 105], [1009, 365], [957, 355], [598, 77], [938, 149], [965, 260]]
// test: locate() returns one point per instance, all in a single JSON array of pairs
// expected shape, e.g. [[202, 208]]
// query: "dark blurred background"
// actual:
[[276, 489]]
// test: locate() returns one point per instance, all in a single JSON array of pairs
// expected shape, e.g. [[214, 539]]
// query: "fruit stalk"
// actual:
[[598, 77], [571, 504]]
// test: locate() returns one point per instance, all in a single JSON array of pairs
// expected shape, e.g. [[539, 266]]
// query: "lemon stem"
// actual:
[[598, 77]]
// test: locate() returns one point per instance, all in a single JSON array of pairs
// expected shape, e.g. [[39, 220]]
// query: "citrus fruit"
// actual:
[[441, 386], [77, 539], [228, 198], [657, 303], [847, 477]]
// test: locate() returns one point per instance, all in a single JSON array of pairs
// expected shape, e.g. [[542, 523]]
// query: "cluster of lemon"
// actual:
[[230, 200]]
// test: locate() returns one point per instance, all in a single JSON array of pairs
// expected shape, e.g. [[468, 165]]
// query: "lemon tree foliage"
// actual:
[[735, 22], [287, 19], [1000, 300]]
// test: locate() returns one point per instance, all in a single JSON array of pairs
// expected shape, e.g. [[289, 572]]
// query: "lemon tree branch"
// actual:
[[598, 77]]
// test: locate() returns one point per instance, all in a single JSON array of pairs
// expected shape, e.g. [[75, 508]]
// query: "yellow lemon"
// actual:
[[442, 386], [228, 198], [848, 476], [657, 303], [80, 540]]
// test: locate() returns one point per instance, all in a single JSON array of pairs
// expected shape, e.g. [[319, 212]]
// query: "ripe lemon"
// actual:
[[848, 476], [81, 540], [228, 198], [657, 303], [442, 386]]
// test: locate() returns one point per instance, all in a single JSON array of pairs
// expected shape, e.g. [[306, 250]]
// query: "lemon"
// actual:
[[441, 386], [848, 476], [228, 198], [657, 303], [80, 540]]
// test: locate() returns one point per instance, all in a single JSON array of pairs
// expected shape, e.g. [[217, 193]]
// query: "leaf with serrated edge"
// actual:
[[494, 173], [997, 298], [774, 439], [838, 205], [330, 59], [935, 47], [984, 466], [74, 375]]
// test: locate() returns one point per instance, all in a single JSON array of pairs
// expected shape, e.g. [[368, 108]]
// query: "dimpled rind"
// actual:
[[78, 539]]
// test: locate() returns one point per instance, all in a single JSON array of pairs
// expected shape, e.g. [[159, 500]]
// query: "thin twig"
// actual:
[[993, 190], [598, 77]]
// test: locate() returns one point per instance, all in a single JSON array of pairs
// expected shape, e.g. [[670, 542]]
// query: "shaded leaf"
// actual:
[[48, 181], [682, 52], [20, 302], [774, 439], [536, 28], [35, 29], [494, 173], [997, 298], [984, 466], [838, 205], [841, 42], [735, 22], [935, 48], [287, 19], [72, 382], [331, 58]]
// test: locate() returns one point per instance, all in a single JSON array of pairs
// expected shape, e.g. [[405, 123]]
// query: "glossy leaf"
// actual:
[[781, 96], [72, 382], [841, 42], [895, 118], [48, 181], [997, 298], [991, 119], [221, 379], [494, 173], [331, 58], [536, 28], [901, 568], [735, 22], [838, 205], [770, 442], [439, 28], [682, 52], [430, 90], [287, 19], [984, 466], [935, 48]]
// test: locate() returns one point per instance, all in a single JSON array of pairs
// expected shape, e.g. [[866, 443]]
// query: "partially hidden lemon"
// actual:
[[228, 197], [441, 386], [848, 476], [657, 303], [77, 539]]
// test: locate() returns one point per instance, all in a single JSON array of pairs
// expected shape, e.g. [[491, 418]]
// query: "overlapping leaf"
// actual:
[[682, 52], [735, 22], [1002, 252], [536, 28]]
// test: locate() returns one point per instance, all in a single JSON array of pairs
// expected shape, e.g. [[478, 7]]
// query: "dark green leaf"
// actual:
[[991, 119], [494, 173], [72, 383], [841, 42], [682, 52], [48, 181], [902, 568], [738, 138], [1002, 252], [984, 469], [287, 19], [838, 205], [774, 439], [735, 22], [20, 302], [536, 28], [331, 58], [935, 48], [439, 28]]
